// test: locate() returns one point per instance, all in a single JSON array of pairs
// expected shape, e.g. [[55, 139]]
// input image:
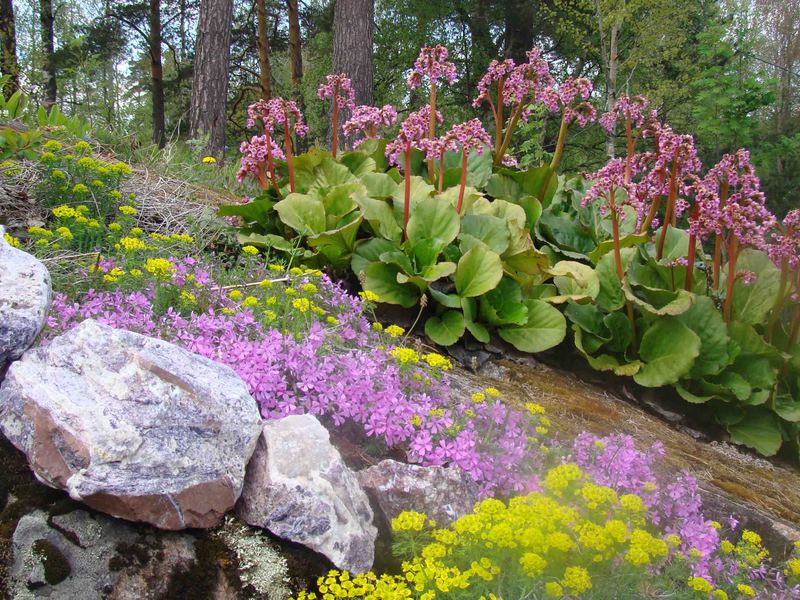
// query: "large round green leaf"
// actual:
[[575, 281], [669, 349], [478, 271], [752, 303], [446, 329], [433, 220], [492, 231], [546, 327], [758, 430], [604, 362], [382, 280], [706, 321], [302, 213], [657, 301], [369, 251]]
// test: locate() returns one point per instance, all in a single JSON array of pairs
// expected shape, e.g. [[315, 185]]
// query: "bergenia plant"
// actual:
[[470, 136], [286, 113], [339, 89], [633, 112], [507, 84], [432, 64], [785, 252], [571, 98], [366, 120], [412, 133], [258, 160]]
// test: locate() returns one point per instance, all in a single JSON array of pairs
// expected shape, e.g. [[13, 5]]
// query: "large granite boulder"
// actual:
[[443, 493], [298, 487], [132, 426], [25, 294]]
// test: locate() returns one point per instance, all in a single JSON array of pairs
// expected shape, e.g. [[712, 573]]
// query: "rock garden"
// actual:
[[405, 367]]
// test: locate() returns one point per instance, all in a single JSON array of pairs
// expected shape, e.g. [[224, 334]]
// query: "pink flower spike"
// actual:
[[338, 85], [432, 64]]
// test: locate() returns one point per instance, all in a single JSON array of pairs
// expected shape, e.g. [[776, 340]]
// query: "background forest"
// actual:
[[727, 70]]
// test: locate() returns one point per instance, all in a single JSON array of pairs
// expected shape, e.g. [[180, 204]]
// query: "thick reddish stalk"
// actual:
[[669, 211], [723, 198], [463, 182], [733, 251], [407, 199], [556, 160], [498, 123], [335, 137], [432, 127], [618, 263], [629, 150], [289, 161], [692, 252], [441, 170], [776, 308], [271, 165]]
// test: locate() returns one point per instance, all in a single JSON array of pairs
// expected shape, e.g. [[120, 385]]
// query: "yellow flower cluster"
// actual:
[[369, 296], [12, 241], [159, 267], [251, 250], [405, 356], [127, 210], [437, 361], [132, 244], [555, 543]]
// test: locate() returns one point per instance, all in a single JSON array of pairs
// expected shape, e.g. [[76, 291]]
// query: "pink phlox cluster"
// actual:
[[368, 119], [254, 155], [674, 503], [337, 373], [277, 112], [497, 71], [338, 85], [412, 132], [432, 64], [609, 178], [625, 108], [786, 242]]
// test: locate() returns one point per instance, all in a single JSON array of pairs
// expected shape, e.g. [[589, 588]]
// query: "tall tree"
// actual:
[[353, 31], [157, 74], [263, 49], [8, 38], [145, 20], [207, 116], [295, 50], [48, 46]]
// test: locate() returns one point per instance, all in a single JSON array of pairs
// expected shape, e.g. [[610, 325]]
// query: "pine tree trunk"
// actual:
[[295, 49], [8, 38], [157, 74], [46, 19], [353, 30], [263, 49], [207, 116], [611, 86]]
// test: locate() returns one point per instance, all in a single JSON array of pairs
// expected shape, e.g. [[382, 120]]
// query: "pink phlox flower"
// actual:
[[432, 64], [274, 112], [625, 108]]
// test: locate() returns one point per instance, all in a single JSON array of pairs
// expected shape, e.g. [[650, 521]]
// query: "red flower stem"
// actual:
[[779, 300], [723, 198], [618, 262], [335, 137], [498, 123], [441, 170], [733, 251], [692, 251], [432, 126], [512, 124], [407, 200], [669, 211], [556, 160], [629, 149], [463, 180], [271, 165], [289, 161]]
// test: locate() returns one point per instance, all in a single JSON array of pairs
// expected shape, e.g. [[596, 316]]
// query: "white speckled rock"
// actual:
[[132, 426], [298, 487], [443, 493], [25, 294]]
